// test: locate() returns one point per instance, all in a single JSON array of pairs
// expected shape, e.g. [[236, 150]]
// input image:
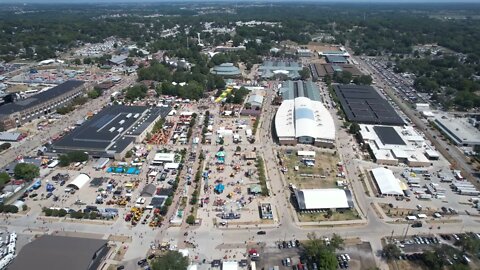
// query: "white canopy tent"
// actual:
[[386, 182]]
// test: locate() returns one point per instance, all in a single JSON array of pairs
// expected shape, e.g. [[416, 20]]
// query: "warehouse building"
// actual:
[[294, 89], [387, 183], [320, 71], [323, 199], [60, 253], [111, 132], [255, 101], [15, 114], [305, 121], [335, 59], [462, 131], [363, 104], [271, 68], [391, 145]]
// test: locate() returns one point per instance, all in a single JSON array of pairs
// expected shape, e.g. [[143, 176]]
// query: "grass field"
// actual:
[[336, 216]]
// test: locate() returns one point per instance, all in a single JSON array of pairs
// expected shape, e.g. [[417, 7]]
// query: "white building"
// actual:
[[386, 182], [255, 101], [461, 130], [302, 120], [162, 158], [321, 199], [391, 145]]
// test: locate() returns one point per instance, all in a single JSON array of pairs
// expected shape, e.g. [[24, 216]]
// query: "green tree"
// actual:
[[26, 171], [323, 255], [77, 61], [172, 260], [129, 62], [4, 178], [87, 61], [77, 156], [391, 251], [191, 219], [63, 161], [304, 73], [336, 242], [354, 128]]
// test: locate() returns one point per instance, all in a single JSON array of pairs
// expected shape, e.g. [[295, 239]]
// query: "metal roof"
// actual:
[[304, 117], [111, 130], [40, 97], [388, 135], [60, 253], [363, 104]]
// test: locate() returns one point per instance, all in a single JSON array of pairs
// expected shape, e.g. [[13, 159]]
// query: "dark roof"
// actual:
[[59, 253], [388, 135], [336, 59], [40, 98], [363, 104], [158, 201], [149, 190], [95, 135]]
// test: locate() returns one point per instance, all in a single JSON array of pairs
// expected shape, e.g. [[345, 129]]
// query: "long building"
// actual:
[[363, 104], [17, 113], [460, 130], [320, 71], [111, 132]]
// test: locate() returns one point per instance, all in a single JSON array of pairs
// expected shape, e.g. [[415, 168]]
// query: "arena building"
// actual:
[[305, 121], [111, 132]]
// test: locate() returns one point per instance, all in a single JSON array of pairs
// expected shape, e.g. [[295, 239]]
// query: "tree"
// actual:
[[336, 242], [172, 260], [304, 73], [191, 219], [391, 251], [26, 171], [63, 161], [87, 61], [322, 254], [168, 201], [77, 61], [4, 178], [129, 62], [354, 128]]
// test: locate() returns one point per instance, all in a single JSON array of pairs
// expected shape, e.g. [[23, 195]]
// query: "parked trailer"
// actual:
[[425, 196], [469, 192]]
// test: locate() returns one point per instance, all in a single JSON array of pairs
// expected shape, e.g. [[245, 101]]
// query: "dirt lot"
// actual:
[[319, 47], [322, 175]]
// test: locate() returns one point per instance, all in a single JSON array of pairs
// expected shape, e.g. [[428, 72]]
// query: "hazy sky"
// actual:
[[179, 1]]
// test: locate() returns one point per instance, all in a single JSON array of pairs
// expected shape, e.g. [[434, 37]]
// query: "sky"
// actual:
[[232, 1]]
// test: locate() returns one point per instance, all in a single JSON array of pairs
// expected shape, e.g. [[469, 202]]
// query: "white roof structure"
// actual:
[[10, 136], [255, 100], [229, 265], [306, 153], [395, 143], [172, 166], [386, 182], [164, 157], [323, 198], [79, 181], [304, 117]]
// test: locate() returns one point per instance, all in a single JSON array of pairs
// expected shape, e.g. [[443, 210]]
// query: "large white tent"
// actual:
[[79, 181], [387, 182], [329, 198]]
